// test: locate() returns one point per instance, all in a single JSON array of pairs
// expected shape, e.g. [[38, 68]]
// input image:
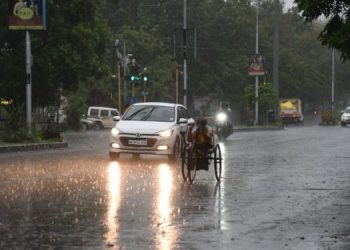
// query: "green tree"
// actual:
[[335, 33], [268, 99], [71, 51]]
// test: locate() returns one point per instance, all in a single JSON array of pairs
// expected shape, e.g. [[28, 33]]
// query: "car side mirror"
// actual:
[[116, 118], [182, 121]]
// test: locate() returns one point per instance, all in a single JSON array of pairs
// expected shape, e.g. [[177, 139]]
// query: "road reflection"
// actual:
[[114, 199], [165, 235]]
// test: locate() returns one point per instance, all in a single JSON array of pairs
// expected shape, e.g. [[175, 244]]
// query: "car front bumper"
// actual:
[[142, 145]]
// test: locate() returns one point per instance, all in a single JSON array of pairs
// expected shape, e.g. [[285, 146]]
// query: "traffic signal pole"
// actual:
[[29, 82], [185, 50], [257, 77]]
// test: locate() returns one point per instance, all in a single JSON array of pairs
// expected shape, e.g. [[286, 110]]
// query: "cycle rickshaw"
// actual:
[[196, 157]]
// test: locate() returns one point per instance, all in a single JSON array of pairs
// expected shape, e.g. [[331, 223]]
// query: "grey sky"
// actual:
[[288, 4]]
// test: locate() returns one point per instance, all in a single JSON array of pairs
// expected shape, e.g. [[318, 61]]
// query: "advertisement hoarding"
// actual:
[[27, 15], [257, 66]]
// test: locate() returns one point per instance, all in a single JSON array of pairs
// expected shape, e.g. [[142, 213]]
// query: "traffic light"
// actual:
[[134, 78], [134, 71]]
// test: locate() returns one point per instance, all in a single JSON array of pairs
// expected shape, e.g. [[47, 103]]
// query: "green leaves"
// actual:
[[336, 32]]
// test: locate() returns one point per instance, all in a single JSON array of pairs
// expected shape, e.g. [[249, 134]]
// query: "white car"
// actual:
[[150, 128], [102, 116], [345, 117]]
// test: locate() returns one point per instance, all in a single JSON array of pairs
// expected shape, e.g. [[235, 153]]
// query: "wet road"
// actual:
[[285, 189]]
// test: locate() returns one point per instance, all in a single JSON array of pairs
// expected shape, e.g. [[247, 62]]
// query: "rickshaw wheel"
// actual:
[[217, 162], [192, 164], [184, 162]]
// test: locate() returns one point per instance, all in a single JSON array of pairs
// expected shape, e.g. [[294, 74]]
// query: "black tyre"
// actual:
[[192, 164], [217, 162], [184, 164], [176, 155], [99, 125], [114, 156]]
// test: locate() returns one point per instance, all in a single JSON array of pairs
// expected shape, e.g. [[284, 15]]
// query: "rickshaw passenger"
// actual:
[[203, 138]]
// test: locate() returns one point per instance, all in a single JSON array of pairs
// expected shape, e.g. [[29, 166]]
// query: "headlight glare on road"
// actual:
[[115, 131], [166, 133]]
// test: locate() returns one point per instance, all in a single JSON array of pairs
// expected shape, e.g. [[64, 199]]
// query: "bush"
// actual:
[[330, 117], [74, 111], [14, 128]]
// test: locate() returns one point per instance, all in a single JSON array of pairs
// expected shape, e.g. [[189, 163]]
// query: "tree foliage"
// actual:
[[336, 32], [268, 99], [76, 53]]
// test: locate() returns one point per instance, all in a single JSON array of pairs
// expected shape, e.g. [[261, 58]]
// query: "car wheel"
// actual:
[[99, 125], [113, 155], [176, 151]]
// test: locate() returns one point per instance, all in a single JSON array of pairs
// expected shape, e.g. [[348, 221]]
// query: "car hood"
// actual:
[[143, 127]]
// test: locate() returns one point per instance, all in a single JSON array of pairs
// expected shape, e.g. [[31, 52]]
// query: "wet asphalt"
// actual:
[[283, 189]]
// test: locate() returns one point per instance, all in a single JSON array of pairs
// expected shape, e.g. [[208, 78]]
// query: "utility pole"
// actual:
[[185, 50], [257, 77], [333, 72], [29, 82], [125, 63], [177, 72], [276, 47], [119, 89]]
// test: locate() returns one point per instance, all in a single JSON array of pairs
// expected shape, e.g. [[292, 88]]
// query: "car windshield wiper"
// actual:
[[148, 115], [134, 114]]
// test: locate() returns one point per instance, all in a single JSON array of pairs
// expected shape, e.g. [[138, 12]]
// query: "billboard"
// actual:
[[27, 14], [257, 66]]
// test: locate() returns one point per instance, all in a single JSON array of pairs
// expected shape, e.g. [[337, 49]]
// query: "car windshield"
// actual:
[[150, 113], [347, 111]]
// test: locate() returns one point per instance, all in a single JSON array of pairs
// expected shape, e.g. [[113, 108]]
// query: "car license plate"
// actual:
[[138, 142]]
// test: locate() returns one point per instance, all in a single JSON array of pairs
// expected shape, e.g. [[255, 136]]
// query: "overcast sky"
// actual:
[[288, 4]]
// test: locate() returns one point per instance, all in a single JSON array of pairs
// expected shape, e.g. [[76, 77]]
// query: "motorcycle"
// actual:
[[223, 127]]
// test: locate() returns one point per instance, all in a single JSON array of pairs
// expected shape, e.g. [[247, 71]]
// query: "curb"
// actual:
[[32, 146]]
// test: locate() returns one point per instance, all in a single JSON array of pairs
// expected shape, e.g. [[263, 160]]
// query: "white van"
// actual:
[[102, 116]]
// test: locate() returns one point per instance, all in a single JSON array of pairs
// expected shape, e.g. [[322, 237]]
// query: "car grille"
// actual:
[[150, 141]]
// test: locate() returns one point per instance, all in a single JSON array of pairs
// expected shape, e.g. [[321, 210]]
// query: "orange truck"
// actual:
[[291, 111]]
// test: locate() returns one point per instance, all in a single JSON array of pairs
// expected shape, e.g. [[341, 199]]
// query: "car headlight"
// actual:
[[166, 133], [115, 131], [221, 117]]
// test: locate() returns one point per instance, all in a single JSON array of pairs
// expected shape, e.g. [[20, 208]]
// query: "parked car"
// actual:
[[102, 116], [345, 117], [150, 128]]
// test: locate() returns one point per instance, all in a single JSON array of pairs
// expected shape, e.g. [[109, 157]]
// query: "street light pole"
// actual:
[[119, 89], [177, 72], [29, 82], [125, 63], [185, 50], [257, 77], [333, 69]]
